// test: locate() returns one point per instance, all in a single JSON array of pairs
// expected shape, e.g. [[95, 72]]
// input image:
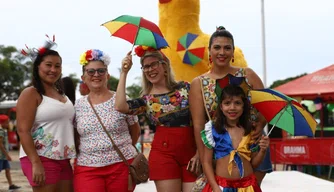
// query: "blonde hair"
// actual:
[[169, 76]]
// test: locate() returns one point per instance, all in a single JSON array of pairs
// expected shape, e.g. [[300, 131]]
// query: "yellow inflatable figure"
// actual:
[[178, 17]]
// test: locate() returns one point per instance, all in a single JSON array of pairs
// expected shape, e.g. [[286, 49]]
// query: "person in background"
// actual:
[[99, 167], [83, 88], [69, 89], [45, 125], [4, 151]]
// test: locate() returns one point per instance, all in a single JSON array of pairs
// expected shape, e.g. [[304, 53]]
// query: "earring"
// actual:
[[233, 59], [165, 73], [210, 59]]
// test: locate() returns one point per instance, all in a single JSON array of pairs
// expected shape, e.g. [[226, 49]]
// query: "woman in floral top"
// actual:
[[99, 167], [165, 103]]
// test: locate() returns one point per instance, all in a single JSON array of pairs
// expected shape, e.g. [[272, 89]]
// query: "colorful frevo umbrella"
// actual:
[[137, 31], [190, 49], [283, 111]]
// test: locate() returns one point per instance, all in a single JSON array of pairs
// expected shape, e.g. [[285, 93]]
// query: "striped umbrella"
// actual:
[[190, 49], [283, 111], [137, 31]]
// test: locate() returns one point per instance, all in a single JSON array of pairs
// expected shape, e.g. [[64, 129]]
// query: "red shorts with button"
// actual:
[[172, 148]]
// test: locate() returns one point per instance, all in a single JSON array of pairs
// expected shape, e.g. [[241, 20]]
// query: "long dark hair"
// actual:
[[36, 80], [221, 32], [221, 121], [68, 87]]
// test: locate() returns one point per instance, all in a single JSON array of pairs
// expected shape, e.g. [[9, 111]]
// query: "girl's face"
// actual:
[[95, 75], [153, 70], [232, 108], [221, 51], [49, 70]]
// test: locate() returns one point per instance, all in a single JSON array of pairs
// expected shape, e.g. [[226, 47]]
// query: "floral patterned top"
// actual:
[[210, 98], [95, 148], [52, 131], [169, 109]]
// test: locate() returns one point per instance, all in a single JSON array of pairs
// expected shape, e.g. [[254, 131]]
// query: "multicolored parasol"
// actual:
[[283, 111], [137, 31], [190, 50]]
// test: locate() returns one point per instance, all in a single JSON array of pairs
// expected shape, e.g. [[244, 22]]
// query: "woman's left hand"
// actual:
[[194, 165]]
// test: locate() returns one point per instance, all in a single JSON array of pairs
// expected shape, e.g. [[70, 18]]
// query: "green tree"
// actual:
[[74, 78], [133, 91], [14, 72], [281, 82], [112, 83]]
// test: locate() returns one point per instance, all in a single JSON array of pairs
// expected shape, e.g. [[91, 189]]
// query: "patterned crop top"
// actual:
[[210, 98], [169, 109], [222, 146]]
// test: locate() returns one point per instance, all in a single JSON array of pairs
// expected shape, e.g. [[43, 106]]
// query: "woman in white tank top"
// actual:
[[45, 126]]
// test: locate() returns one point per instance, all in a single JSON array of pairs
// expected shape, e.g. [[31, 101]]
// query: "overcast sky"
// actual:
[[299, 33]]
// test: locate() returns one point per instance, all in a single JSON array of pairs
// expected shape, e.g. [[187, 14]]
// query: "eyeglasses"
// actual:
[[153, 65], [100, 71]]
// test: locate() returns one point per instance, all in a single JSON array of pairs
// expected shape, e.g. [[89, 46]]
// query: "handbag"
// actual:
[[138, 169]]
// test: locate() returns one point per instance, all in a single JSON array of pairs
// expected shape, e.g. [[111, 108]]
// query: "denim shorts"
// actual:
[[266, 165], [4, 164]]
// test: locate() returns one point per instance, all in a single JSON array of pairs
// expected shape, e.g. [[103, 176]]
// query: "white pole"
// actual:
[[264, 51], [263, 45]]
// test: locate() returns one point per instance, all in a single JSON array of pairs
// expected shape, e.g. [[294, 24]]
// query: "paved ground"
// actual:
[[271, 183]]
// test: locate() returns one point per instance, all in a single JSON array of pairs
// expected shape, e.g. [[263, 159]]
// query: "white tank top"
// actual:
[[52, 131]]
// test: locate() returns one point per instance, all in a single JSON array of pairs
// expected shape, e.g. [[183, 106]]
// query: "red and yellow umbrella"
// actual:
[[137, 31]]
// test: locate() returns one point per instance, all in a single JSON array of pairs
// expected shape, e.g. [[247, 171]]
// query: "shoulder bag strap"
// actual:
[[202, 91], [105, 130]]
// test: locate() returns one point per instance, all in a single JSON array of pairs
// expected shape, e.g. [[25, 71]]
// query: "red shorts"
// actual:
[[172, 148], [108, 178], [248, 183], [55, 170]]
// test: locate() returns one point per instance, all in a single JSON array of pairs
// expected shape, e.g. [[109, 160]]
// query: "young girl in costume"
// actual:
[[228, 140]]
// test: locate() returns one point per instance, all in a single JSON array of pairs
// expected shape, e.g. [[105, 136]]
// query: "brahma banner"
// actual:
[[318, 151]]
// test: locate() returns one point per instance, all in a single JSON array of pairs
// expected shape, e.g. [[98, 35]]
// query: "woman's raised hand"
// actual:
[[127, 62], [264, 143]]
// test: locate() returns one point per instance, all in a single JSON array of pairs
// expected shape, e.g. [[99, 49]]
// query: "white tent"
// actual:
[[7, 104]]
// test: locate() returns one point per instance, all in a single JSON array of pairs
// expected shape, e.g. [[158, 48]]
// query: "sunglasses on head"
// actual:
[[100, 71]]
